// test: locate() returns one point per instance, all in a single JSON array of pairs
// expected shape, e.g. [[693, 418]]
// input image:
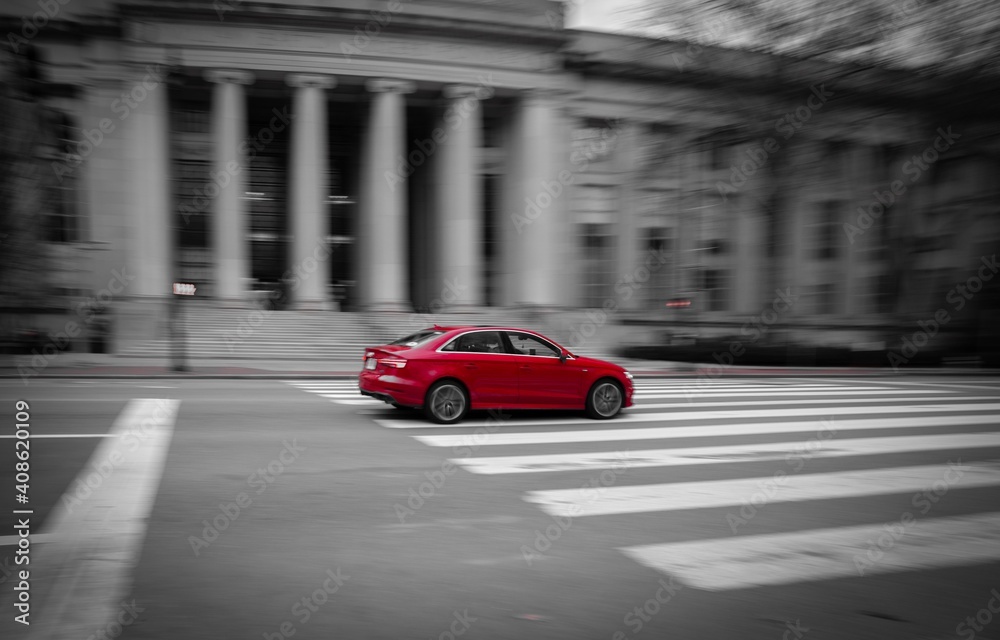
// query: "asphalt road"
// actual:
[[732, 508]]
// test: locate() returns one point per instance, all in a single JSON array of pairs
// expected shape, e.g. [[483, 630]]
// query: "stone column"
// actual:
[[630, 163], [309, 191], [459, 221], [230, 218], [151, 196], [544, 182], [382, 231]]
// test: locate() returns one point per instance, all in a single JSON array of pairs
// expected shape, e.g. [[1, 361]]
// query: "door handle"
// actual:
[[469, 365], [525, 366]]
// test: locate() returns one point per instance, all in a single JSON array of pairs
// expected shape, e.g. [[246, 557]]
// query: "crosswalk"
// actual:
[[726, 432], [336, 391]]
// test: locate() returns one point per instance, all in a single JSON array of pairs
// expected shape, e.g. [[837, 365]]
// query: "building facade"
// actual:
[[391, 155]]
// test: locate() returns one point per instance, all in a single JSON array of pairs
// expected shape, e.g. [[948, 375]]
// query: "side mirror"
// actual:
[[562, 356]]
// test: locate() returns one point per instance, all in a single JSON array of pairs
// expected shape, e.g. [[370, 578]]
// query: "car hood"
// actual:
[[595, 362]]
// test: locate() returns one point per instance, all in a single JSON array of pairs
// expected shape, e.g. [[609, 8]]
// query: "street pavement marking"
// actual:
[[786, 394], [338, 391], [94, 540], [726, 454], [35, 538], [789, 488], [823, 554], [769, 403], [666, 433], [65, 435], [679, 416]]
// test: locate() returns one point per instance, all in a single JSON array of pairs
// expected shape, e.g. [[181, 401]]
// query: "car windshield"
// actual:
[[417, 338]]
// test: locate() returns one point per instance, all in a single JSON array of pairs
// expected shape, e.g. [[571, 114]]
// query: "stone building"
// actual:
[[387, 155]]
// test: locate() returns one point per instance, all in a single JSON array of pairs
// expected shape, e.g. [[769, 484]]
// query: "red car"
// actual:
[[447, 371]]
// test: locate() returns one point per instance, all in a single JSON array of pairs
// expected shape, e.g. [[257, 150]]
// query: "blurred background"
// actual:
[[706, 180]]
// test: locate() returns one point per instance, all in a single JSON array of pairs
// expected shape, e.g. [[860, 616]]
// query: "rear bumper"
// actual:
[[390, 389]]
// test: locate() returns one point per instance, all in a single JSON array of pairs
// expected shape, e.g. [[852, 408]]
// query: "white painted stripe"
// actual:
[[730, 454], [668, 433], [771, 403], [35, 436], [37, 538], [712, 494], [678, 416], [821, 411], [823, 554], [786, 394], [95, 539]]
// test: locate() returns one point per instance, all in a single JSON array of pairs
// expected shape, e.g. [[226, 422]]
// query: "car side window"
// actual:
[[528, 345], [477, 342]]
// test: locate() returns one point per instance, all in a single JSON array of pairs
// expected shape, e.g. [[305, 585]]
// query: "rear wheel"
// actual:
[[605, 399], [447, 402]]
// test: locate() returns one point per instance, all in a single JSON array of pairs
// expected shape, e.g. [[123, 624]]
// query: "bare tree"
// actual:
[[939, 36]]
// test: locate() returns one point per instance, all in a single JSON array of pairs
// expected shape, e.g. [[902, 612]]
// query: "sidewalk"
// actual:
[[72, 365]]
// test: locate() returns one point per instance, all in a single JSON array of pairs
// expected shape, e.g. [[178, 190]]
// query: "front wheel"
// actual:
[[447, 402], [605, 399]]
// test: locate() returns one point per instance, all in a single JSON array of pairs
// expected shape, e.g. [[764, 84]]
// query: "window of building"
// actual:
[[874, 294], [657, 251], [62, 214], [721, 155], [826, 299], [716, 286], [826, 228], [597, 249]]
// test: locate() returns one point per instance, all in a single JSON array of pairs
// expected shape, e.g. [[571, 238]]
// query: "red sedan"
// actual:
[[447, 371]]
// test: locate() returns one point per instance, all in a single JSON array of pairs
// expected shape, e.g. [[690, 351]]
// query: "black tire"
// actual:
[[605, 399], [447, 402]]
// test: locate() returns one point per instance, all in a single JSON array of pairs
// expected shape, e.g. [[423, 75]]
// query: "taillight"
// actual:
[[396, 363]]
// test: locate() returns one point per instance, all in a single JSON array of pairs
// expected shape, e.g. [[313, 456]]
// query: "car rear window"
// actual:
[[416, 339]]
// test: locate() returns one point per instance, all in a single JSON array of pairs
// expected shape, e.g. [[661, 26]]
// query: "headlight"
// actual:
[[629, 375]]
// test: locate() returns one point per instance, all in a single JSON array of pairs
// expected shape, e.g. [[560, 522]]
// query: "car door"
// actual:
[[479, 360], [543, 380]]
